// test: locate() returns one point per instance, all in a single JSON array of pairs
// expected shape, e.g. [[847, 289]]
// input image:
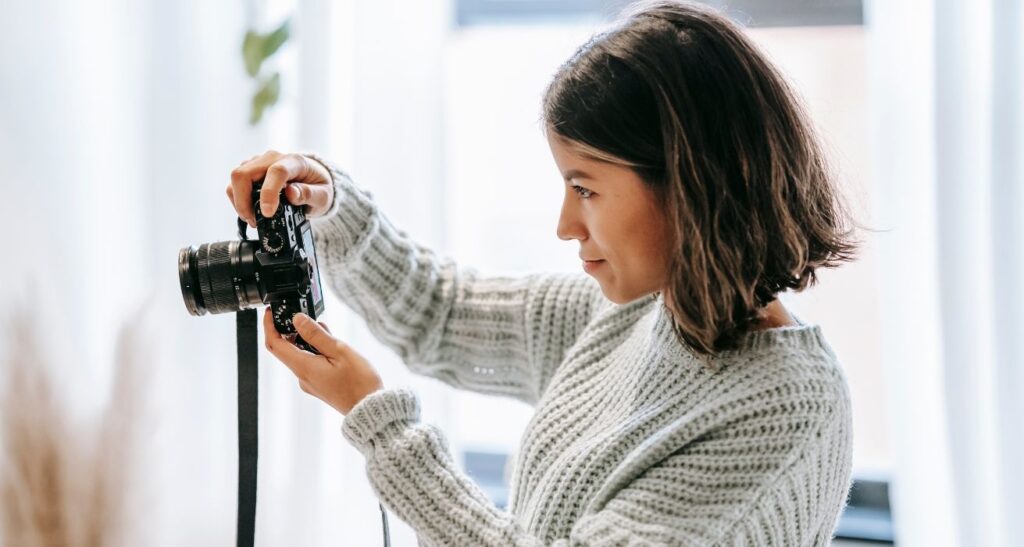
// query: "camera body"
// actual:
[[287, 264], [278, 269]]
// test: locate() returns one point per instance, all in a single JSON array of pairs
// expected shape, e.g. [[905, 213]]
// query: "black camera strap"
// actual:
[[248, 425]]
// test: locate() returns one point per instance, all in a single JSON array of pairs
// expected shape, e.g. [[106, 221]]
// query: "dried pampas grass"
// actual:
[[64, 483]]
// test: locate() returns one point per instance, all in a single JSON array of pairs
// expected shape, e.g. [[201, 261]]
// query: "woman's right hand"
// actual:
[[305, 180]]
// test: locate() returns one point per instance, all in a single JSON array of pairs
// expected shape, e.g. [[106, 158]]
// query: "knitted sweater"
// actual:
[[635, 439]]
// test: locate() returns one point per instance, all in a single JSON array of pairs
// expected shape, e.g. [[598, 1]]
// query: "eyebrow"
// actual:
[[577, 174]]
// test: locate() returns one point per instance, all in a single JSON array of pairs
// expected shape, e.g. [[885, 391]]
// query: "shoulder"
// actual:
[[801, 390], [788, 390]]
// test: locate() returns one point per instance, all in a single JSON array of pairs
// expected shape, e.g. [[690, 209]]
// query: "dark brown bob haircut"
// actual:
[[677, 92]]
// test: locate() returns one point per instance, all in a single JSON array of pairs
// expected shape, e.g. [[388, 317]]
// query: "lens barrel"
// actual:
[[218, 277]]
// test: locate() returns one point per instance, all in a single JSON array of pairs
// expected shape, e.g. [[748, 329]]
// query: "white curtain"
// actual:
[[947, 81], [120, 122]]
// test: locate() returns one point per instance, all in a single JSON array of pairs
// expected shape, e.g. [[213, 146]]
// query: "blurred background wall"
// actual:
[[121, 121]]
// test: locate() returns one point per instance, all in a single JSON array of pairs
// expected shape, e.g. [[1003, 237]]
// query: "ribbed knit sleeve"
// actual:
[[412, 472], [667, 506], [499, 334], [721, 490], [689, 498], [802, 504]]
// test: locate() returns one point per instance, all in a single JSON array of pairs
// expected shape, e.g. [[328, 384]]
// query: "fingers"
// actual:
[[242, 178], [242, 212], [316, 335], [301, 362], [305, 181], [279, 173]]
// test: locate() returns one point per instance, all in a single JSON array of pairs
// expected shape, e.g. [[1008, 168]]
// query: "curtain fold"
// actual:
[[946, 85], [120, 122]]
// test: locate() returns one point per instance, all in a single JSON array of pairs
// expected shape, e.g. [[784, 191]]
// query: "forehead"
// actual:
[[613, 180], [573, 159], [577, 161]]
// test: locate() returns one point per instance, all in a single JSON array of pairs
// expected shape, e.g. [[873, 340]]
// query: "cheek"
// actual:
[[634, 239], [650, 248], [644, 236]]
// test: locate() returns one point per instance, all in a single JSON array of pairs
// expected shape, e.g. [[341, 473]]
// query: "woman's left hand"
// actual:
[[338, 376]]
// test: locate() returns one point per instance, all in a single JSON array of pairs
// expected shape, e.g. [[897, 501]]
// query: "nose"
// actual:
[[569, 224]]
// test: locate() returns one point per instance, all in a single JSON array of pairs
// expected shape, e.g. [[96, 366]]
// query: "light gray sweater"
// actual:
[[635, 440]]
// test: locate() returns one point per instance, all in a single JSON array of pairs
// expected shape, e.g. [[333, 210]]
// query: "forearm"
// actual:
[[500, 335], [411, 470]]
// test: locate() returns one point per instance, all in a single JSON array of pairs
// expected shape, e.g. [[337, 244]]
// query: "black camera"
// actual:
[[279, 269]]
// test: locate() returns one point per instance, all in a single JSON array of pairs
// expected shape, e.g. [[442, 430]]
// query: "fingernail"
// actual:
[[299, 318]]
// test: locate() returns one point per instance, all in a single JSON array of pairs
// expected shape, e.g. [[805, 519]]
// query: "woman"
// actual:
[[677, 401]]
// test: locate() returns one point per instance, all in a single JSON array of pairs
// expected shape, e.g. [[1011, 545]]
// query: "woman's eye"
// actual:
[[583, 192]]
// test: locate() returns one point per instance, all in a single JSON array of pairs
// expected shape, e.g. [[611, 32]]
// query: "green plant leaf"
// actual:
[[269, 92], [273, 41], [252, 52], [257, 47]]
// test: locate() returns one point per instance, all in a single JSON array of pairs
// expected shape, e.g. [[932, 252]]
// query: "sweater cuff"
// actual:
[[370, 421], [351, 216]]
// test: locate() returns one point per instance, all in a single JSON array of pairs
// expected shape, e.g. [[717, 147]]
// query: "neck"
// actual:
[[774, 315]]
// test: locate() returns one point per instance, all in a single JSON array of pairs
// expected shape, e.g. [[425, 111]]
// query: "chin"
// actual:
[[623, 297]]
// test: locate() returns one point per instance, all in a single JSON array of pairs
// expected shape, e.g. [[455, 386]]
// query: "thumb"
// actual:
[[315, 334], [295, 193], [316, 196]]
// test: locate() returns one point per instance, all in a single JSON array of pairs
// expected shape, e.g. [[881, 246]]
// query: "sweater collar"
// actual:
[[803, 336]]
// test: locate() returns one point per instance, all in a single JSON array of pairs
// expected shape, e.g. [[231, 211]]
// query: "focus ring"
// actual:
[[217, 286]]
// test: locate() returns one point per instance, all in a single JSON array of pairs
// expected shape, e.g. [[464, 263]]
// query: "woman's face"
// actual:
[[614, 216]]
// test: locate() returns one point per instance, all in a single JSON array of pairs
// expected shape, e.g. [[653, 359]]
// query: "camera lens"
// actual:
[[218, 277]]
